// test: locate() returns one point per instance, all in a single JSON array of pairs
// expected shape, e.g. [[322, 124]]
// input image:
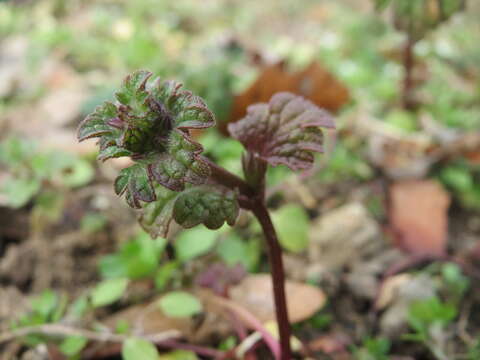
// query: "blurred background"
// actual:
[[381, 237]]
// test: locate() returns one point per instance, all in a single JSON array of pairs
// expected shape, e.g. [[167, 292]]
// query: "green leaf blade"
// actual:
[[179, 304], [108, 291], [139, 349], [286, 131]]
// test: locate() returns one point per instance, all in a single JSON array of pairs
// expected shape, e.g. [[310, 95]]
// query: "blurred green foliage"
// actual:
[[137, 258], [462, 178], [179, 304], [291, 222], [31, 171], [373, 349]]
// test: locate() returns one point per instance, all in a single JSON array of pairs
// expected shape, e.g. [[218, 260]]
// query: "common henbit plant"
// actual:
[[170, 179], [416, 18]]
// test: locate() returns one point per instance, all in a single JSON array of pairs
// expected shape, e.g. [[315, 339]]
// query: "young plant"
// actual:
[[416, 18], [429, 320], [170, 180]]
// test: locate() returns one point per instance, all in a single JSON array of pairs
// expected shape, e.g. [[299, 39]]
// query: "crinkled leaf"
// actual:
[[96, 124], [133, 91], [284, 131], [196, 205], [113, 152], [189, 111], [135, 182], [205, 205], [180, 164], [156, 216], [151, 123]]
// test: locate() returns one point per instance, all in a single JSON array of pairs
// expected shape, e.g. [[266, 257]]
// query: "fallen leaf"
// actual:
[[418, 216], [402, 157], [255, 294], [393, 320], [149, 319], [314, 83], [342, 235], [389, 289], [334, 342]]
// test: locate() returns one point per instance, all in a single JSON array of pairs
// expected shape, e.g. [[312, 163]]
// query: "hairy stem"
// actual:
[[278, 277], [226, 178], [253, 199]]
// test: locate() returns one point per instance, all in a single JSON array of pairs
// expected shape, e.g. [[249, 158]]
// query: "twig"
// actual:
[[250, 321], [252, 197], [64, 331], [200, 350], [226, 178]]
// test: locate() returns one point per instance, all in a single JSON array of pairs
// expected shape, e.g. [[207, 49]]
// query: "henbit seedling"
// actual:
[[416, 18], [170, 180]]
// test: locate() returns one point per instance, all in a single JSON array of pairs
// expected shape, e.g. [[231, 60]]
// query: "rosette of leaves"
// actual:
[[417, 17], [150, 123], [285, 131]]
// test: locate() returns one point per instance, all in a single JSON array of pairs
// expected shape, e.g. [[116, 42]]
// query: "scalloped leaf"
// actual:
[[136, 184], [196, 205], [189, 111], [156, 216], [284, 131], [151, 123], [205, 205], [180, 164], [111, 152], [133, 91], [96, 124]]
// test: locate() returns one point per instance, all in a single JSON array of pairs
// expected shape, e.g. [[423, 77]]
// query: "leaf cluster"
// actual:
[[151, 122], [418, 17], [29, 169]]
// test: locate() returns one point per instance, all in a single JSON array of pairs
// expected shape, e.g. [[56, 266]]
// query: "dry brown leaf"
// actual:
[[473, 157], [418, 216], [341, 237], [255, 294], [389, 289], [314, 83], [333, 342], [148, 319]]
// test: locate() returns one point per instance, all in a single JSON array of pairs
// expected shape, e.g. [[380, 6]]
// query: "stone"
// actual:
[[342, 236]]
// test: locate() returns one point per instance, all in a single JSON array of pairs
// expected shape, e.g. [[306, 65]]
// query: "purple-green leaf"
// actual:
[[136, 184], [205, 205], [285, 131], [180, 164], [196, 205], [151, 123], [96, 124], [156, 216]]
